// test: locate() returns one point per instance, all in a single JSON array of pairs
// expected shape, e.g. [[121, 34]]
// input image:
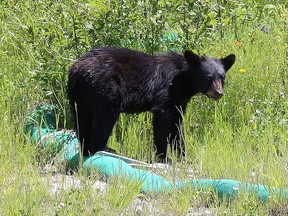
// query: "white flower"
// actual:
[[257, 112]]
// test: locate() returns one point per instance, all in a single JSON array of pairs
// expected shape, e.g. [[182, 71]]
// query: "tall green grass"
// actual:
[[243, 136]]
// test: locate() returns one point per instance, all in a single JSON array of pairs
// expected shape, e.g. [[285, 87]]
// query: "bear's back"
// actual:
[[140, 81]]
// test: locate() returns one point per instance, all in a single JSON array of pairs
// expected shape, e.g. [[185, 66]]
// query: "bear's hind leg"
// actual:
[[101, 128], [83, 119]]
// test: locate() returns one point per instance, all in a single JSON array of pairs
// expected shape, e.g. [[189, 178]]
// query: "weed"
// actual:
[[243, 136]]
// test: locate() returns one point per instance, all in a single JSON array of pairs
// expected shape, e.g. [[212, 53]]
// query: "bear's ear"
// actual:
[[192, 58], [228, 61]]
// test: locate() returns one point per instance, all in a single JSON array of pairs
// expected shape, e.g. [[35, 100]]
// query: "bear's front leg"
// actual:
[[167, 128], [177, 134]]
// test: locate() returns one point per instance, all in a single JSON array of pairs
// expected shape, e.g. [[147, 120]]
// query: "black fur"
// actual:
[[107, 81]]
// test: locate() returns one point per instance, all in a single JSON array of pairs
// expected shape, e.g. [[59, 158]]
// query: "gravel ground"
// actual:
[[139, 206]]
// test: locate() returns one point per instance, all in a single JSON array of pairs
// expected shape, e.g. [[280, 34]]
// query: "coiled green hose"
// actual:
[[41, 126]]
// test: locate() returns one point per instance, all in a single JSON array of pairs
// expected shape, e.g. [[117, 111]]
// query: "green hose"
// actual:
[[41, 126]]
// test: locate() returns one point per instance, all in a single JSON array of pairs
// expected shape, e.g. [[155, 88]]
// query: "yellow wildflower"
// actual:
[[242, 70]]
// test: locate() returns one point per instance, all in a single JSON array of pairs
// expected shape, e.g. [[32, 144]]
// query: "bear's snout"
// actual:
[[216, 90]]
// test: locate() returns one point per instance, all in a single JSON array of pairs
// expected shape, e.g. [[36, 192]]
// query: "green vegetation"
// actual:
[[243, 136]]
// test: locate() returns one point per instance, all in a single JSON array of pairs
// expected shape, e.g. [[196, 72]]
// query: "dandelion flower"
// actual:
[[242, 70], [238, 43]]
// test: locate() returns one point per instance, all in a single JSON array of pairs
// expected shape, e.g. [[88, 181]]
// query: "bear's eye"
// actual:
[[221, 77], [209, 77]]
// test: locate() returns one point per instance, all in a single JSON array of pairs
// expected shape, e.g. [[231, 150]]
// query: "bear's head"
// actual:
[[208, 74]]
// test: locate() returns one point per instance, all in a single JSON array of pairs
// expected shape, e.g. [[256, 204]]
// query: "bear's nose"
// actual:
[[216, 90]]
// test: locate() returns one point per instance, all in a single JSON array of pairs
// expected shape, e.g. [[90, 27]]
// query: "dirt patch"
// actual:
[[141, 205]]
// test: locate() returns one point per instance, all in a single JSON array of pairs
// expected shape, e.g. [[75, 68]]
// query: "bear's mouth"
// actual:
[[214, 97]]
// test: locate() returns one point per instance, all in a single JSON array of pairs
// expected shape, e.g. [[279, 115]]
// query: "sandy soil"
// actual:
[[139, 206]]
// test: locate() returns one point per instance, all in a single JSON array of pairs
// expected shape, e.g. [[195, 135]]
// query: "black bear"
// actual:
[[108, 80]]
